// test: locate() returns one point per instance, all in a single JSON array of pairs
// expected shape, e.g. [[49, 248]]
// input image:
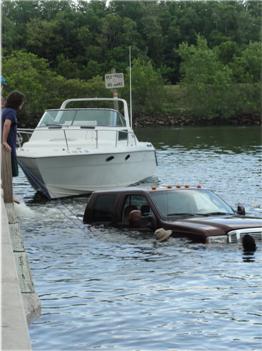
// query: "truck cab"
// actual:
[[194, 213]]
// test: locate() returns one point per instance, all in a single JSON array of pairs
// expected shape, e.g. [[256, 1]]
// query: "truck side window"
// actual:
[[103, 208], [133, 202]]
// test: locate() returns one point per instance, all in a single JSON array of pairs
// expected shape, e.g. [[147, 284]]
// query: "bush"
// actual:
[[42, 87], [147, 87]]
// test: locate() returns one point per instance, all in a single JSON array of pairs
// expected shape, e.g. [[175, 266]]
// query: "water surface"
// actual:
[[106, 289]]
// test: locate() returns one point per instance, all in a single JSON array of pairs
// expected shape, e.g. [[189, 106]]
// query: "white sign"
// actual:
[[114, 80]]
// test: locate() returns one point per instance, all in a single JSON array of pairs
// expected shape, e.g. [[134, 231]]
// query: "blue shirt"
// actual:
[[10, 113]]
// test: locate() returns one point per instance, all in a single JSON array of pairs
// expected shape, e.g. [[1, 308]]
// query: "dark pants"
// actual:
[[14, 164]]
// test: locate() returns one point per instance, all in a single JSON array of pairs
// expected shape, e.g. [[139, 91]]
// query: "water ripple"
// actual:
[[108, 289]]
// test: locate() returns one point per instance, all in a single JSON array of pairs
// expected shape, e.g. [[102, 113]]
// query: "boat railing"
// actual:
[[24, 135]]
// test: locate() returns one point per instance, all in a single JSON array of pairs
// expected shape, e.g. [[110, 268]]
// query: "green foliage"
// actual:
[[242, 99], [42, 87], [200, 64], [227, 51], [175, 101], [30, 74], [84, 31], [56, 49], [147, 88], [247, 66], [245, 99], [207, 80]]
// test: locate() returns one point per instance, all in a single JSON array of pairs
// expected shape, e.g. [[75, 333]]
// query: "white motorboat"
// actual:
[[74, 151]]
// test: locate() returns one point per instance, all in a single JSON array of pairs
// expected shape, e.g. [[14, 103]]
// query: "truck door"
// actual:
[[136, 202]]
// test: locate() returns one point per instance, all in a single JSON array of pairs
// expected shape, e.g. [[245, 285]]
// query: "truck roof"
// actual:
[[149, 188]]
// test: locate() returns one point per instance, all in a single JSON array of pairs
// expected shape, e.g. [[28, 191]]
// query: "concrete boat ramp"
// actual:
[[19, 301]]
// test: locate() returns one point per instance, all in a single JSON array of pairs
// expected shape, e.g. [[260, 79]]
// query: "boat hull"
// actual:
[[74, 174]]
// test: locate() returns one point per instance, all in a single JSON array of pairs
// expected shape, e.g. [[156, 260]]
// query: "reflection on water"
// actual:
[[249, 248], [220, 139], [248, 257], [108, 289]]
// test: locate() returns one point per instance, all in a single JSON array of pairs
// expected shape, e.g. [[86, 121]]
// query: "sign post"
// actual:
[[114, 81]]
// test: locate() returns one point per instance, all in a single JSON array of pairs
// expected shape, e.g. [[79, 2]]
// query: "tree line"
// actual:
[[199, 59]]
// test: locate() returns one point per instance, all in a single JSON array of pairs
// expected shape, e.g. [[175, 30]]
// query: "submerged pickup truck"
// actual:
[[194, 213]]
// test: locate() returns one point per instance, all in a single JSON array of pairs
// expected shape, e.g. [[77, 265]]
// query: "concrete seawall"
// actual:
[[20, 304]]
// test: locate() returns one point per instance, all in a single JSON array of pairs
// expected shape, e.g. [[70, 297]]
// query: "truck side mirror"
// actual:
[[241, 210]]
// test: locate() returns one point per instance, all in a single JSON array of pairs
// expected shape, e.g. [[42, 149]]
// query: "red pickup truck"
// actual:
[[195, 213]]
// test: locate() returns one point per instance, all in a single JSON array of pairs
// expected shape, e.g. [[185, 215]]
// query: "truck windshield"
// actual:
[[189, 202]]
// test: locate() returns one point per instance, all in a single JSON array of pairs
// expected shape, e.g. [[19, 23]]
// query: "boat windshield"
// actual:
[[88, 117], [189, 203]]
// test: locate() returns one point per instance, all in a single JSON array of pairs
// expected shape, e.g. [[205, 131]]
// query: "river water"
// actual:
[[106, 289]]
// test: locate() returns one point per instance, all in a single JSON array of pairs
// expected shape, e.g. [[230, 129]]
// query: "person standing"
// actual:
[[13, 104]]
